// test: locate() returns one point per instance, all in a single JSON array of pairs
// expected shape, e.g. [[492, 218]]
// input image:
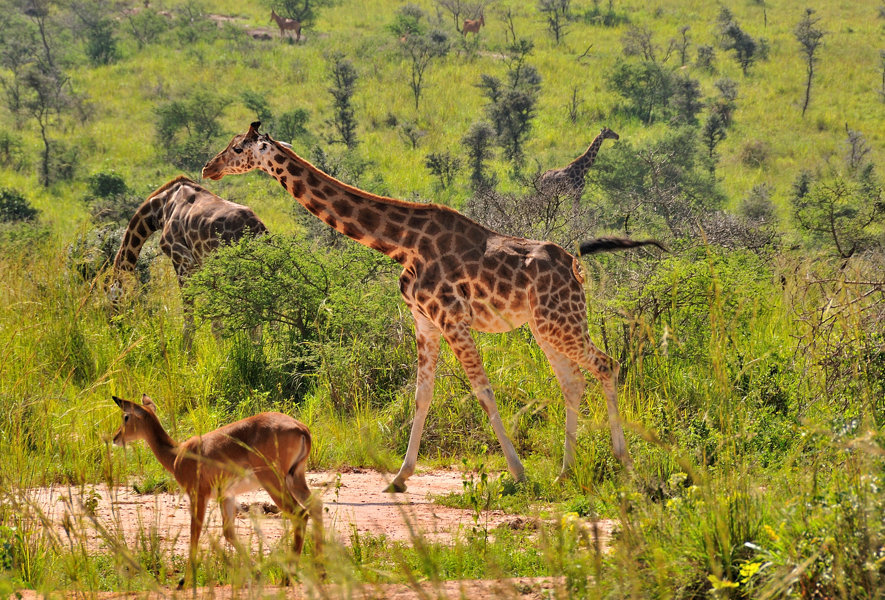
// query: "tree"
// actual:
[[839, 209], [512, 105], [647, 86], [97, 28], [732, 37], [418, 45], [557, 13], [444, 166], [187, 129], [686, 100], [478, 143], [810, 37], [343, 76], [303, 11]]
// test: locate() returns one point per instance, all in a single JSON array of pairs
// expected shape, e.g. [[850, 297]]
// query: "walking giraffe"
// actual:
[[570, 178], [457, 276], [193, 221]]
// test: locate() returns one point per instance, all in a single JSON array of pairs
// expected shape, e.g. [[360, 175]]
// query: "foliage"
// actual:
[[419, 45], [110, 199], [343, 77], [647, 86], [511, 106], [746, 49], [658, 184], [557, 14], [15, 207], [188, 129], [839, 209], [478, 143], [303, 11], [444, 166], [810, 37]]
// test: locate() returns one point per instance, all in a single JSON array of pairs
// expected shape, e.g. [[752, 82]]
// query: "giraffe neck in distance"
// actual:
[[583, 163], [401, 230]]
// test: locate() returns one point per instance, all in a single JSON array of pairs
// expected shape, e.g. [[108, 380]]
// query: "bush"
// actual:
[[110, 199], [14, 207], [329, 315]]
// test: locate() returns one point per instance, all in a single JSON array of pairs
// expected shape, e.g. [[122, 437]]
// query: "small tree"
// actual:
[[343, 77], [292, 124], [257, 103], [187, 129], [686, 100], [732, 37], [512, 105], [810, 37], [646, 85], [557, 14], [303, 11], [840, 210], [478, 143], [637, 41], [682, 44], [418, 45], [713, 132], [444, 166]]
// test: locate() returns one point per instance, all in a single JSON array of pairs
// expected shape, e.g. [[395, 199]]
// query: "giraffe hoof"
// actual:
[[396, 487]]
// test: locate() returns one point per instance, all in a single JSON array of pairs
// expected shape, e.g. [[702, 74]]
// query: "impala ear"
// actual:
[[148, 403], [118, 401]]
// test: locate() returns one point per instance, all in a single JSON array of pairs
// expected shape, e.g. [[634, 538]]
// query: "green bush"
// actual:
[[14, 207]]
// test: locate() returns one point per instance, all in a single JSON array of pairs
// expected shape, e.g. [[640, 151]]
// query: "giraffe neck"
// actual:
[[146, 220], [583, 163], [401, 230]]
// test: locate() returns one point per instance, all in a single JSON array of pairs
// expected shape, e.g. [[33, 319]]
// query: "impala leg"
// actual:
[[198, 501], [462, 344], [427, 336]]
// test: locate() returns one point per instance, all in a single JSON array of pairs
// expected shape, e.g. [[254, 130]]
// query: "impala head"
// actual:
[[241, 156], [608, 134], [135, 419]]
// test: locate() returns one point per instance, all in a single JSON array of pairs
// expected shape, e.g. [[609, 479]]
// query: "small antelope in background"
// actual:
[[285, 23], [473, 25], [269, 451]]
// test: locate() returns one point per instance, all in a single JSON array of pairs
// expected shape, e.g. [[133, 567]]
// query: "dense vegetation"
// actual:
[[751, 142]]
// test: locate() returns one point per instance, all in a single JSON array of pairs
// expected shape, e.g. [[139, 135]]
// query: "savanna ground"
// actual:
[[753, 357]]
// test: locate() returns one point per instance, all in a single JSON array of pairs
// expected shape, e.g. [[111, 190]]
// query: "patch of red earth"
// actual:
[[104, 518]]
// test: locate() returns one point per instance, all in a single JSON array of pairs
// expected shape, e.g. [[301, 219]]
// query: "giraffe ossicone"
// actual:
[[457, 275]]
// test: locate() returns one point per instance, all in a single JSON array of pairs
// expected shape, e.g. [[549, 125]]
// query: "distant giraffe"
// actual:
[[193, 222], [570, 178], [457, 276], [473, 25], [285, 24]]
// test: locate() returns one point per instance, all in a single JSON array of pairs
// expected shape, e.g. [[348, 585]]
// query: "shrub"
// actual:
[[110, 199], [755, 153], [14, 207]]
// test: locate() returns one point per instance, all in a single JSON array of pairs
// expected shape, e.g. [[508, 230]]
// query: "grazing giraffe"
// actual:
[[193, 221], [457, 276], [570, 178], [285, 23], [473, 25]]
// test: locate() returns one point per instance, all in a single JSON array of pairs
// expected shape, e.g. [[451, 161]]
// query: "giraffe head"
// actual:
[[243, 154], [608, 134]]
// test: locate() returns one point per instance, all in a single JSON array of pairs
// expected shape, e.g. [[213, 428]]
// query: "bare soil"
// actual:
[[102, 519]]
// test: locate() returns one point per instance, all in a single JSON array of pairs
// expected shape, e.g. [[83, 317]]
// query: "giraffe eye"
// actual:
[[238, 150]]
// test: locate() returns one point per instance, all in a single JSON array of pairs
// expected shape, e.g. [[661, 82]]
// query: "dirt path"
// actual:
[[354, 500]]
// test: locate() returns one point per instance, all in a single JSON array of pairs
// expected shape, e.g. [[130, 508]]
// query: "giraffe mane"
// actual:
[[363, 193], [171, 183]]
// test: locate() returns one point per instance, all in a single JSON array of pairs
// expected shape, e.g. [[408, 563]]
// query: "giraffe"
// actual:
[[457, 276], [193, 221], [570, 178]]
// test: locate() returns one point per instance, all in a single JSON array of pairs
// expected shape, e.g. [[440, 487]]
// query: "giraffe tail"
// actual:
[[611, 244]]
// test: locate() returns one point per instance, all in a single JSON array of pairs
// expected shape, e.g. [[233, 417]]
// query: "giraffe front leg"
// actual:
[[462, 344], [427, 336]]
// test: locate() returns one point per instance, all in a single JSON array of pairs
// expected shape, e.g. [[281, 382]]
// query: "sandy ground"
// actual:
[[102, 519]]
